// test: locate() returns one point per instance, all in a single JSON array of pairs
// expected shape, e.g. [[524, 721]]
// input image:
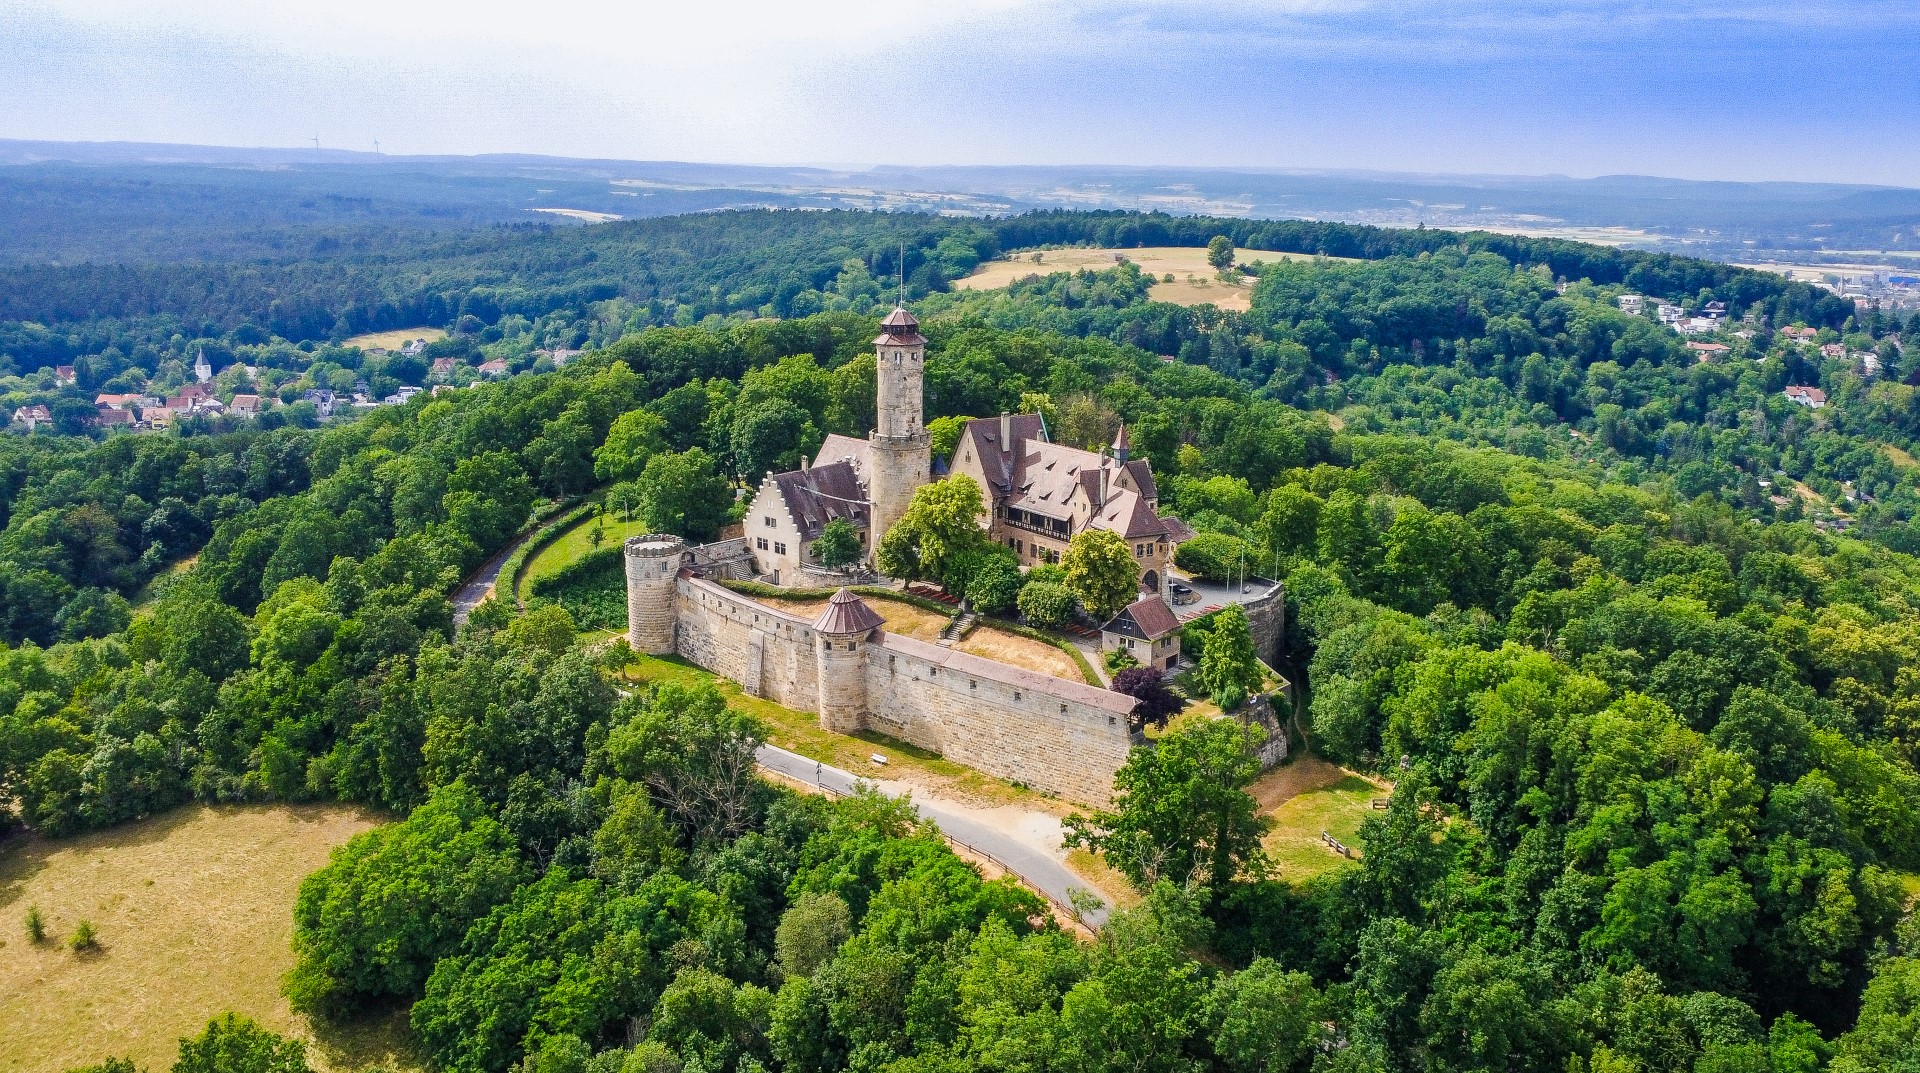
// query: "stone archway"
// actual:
[[1150, 581]]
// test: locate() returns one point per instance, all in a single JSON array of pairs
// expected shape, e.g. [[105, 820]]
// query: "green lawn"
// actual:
[[575, 542], [1294, 843], [800, 732]]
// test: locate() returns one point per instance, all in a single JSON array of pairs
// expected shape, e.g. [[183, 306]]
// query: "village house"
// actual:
[[1632, 304], [443, 368], [245, 405], [1811, 397], [494, 369], [1146, 629], [1708, 351], [112, 418], [65, 375], [33, 416], [1834, 350]]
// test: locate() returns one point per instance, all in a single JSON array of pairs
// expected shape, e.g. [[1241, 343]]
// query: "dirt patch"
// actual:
[[1303, 774], [1205, 290], [1020, 651], [193, 910], [901, 618]]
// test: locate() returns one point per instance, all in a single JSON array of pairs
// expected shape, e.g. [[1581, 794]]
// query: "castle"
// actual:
[[1039, 493], [1061, 736]]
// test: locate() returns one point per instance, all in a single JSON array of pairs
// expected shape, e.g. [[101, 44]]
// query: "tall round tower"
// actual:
[[653, 565], [899, 449], [840, 638]]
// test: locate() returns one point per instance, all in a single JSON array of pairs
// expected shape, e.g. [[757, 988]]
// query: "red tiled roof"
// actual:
[[1148, 618]]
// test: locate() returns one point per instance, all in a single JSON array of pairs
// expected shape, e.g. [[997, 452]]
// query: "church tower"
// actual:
[[900, 457]]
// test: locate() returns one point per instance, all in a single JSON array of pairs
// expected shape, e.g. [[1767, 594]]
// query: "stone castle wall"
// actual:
[[1065, 738]]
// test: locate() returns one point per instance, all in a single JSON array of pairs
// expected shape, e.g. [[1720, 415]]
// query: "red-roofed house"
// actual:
[[64, 374], [1811, 397], [494, 369], [33, 416], [1146, 628]]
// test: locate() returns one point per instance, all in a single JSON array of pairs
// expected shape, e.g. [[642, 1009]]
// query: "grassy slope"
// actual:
[[572, 544], [193, 911]]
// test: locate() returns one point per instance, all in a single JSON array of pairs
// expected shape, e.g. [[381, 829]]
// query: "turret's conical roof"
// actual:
[[847, 613]]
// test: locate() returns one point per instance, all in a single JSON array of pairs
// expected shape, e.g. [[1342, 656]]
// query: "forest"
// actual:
[[1653, 735]]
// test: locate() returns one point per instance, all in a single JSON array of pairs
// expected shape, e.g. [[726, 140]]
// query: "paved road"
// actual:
[[475, 589], [1030, 861]]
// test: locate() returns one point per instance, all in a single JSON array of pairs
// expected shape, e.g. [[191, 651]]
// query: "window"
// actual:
[[769, 521], [762, 541], [779, 548]]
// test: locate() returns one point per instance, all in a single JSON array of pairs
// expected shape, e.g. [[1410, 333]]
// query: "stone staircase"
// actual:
[[959, 627]]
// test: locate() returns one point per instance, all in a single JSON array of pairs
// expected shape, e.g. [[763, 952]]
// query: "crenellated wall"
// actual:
[[1066, 738]]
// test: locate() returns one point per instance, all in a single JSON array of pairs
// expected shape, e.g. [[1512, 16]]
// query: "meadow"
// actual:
[[1194, 281], [193, 913]]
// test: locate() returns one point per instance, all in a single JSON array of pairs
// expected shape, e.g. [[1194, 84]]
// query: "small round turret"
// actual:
[[653, 565], [841, 635]]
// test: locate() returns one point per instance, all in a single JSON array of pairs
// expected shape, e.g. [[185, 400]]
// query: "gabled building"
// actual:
[[1041, 494], [65, 375], [1811, 397], [792, 509], [1148, 630], [33, 416]]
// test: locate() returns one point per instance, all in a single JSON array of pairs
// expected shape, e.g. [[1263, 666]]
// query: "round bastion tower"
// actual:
[[898, 449], [653, 565], [840, 638]]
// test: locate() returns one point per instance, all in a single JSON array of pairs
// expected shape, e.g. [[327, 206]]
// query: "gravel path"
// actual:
[[478, 587], [1026, 843]]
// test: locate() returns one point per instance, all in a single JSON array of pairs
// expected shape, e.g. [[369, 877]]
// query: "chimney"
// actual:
[[804, 463], [1006, 431]]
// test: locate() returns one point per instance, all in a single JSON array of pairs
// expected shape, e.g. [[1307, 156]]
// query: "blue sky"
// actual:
[[1816, 90]]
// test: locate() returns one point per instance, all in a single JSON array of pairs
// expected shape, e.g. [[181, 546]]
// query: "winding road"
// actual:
[[477, 587], [1030, 854]]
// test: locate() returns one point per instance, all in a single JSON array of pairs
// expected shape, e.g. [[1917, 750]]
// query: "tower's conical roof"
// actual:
[[900, 328], [1120, 440], [847, 613]]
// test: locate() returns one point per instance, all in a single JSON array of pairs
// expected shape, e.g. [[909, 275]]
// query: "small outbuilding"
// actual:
[[1148, 629]]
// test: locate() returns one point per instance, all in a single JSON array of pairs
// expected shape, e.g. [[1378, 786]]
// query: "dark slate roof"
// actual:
[[1148, 618], [847, 613], [1142, 475], [1178, 532], [997, 459], [817, 495]]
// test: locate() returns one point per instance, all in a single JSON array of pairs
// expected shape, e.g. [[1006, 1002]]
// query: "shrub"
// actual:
[[593, 589], [36, 926], [1044, 603], [995, 587], [234, 1044], [1214, 556], [1157, 704], [1119, 659], [83, 938]]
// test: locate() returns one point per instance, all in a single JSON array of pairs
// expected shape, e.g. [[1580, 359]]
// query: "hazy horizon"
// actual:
[[1544, 88]]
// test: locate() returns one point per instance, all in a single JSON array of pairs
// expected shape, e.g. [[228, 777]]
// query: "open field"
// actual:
[[395, 339], [574, 543], [1182, 261], [583, 215], [194, 913], [1306, 796]]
